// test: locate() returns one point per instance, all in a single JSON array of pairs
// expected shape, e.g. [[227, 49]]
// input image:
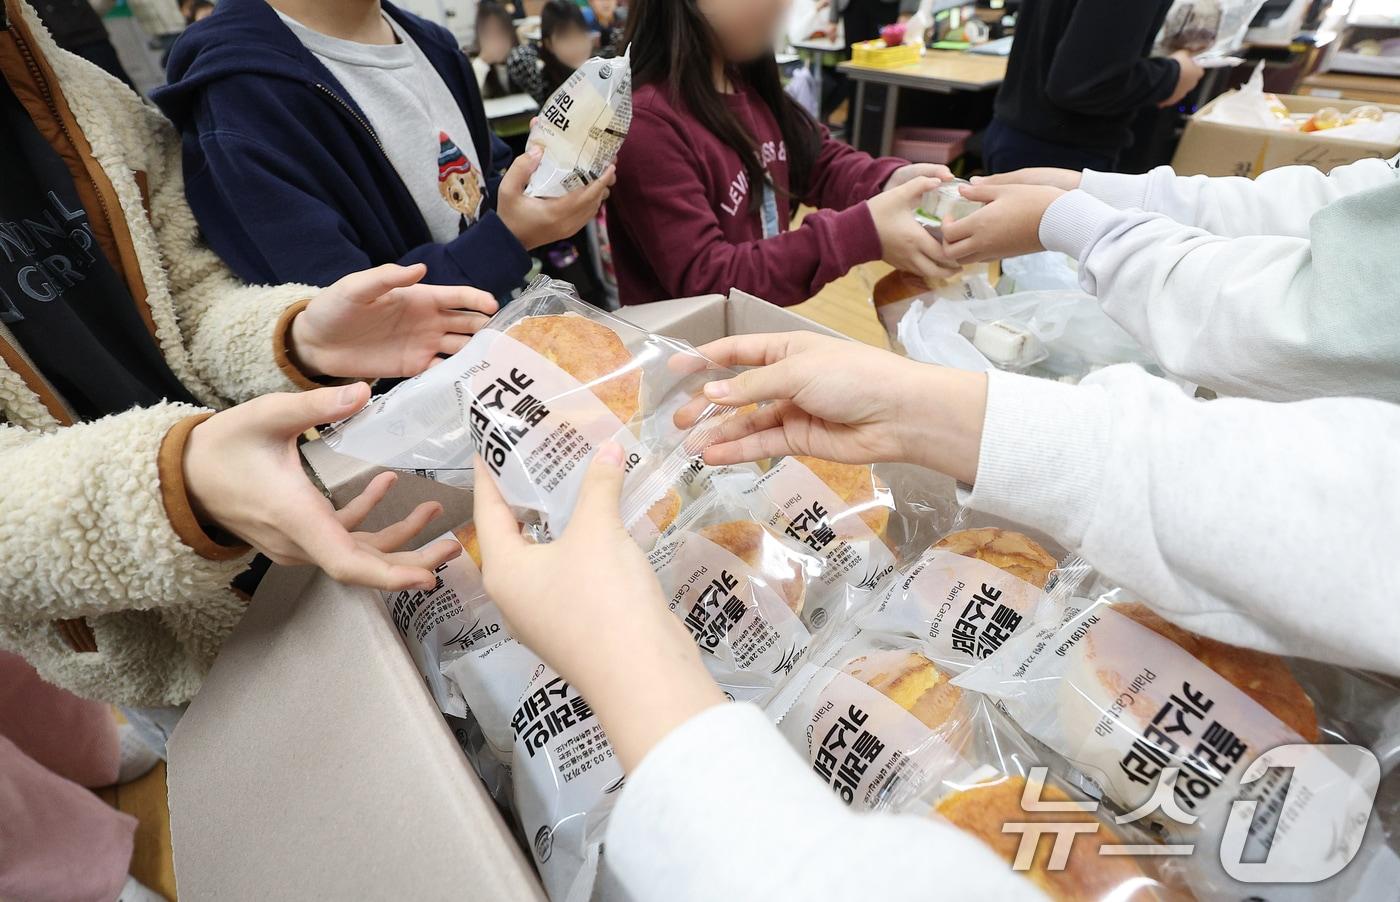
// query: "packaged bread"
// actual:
[[1131, 700], [535, 393], [873, 717], [966, 595], [443, 623], [984, 809], [581, 126], [565, 776], [840, 513], [740, 590]]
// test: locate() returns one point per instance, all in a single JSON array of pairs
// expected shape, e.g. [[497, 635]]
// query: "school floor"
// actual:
[[144, 799], [844, 305]]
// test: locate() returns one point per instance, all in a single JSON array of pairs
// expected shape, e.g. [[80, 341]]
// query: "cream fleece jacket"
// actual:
[[93, 522], [1266, 525], [1281, 288]]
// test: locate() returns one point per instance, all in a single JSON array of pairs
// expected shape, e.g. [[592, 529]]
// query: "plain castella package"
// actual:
[[581, 126]]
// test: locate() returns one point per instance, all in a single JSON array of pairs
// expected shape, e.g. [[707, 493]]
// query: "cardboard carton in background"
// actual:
[[314, 764], [1217, 149]]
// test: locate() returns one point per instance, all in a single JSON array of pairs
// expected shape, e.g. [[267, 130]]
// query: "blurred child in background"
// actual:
[[719, 157], [606, 21], [565, 44], [495, 39]]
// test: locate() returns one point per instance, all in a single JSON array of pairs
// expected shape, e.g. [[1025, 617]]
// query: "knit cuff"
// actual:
[[1120, 191], [1071, 222], [1041, 461], [176, 498], [286, 360]]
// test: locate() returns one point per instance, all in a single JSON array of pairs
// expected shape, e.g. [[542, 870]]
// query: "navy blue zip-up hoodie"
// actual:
[[284, 173]]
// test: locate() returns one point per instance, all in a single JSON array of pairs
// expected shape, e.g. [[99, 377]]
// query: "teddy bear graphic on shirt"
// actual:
[[459, 182]]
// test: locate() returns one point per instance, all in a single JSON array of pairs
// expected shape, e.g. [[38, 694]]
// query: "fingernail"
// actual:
[[975, 179], [348, 394], [717, 390], [610, 453], [535, 151]]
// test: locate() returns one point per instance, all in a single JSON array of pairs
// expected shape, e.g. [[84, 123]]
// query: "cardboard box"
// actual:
[[314, 764], [1214, 148]]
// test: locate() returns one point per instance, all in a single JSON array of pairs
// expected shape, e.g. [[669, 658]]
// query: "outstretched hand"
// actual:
[[382, 323], [842, 401], [243, 475]]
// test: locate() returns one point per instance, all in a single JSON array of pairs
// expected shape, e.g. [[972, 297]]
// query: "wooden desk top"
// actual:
[[845, 305], [938, 70], [1375, 88]]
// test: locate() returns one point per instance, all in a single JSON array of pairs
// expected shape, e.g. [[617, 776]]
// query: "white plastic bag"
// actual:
[[582, 125], [1060, 334], [1249, 106]]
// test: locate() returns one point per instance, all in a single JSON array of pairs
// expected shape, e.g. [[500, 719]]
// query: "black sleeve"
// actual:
[[1099, 67]]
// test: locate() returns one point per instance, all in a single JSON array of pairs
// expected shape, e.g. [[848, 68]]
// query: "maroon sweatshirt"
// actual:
[[679, 215]]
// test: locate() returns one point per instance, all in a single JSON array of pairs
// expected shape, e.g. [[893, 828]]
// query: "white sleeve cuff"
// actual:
[[1042, 454], [1120, 191], [1072, 222]]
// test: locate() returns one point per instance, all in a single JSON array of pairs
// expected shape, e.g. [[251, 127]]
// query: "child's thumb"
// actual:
[[518, 175]]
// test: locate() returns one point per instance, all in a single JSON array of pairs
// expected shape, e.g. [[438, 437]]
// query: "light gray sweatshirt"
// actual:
[[1282, 287]]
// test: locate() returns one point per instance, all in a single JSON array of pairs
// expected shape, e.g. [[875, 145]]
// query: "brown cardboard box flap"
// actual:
[[314, 764]]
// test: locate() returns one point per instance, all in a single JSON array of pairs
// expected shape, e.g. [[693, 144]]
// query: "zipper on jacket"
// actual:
[[356, 116], [43, 84]]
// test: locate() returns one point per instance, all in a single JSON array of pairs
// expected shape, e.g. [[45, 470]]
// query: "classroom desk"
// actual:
[[817, 50], [510, 115], [937, 71]]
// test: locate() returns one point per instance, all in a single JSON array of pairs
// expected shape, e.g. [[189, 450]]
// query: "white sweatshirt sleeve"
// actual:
[[1271, 526], [723, 808], [1278, 202], [1270, 317]]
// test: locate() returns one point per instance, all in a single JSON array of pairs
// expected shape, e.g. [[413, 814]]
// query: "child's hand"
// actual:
[[904, 243], [243, 475], [590, 606], [1064, 179], [537, 221], [381, 323], [1189, 74], [1008, 226], [917, 170]]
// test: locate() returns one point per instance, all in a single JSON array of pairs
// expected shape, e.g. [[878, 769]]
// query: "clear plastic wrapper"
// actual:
[[447, 621], [581, 126], [874, 718], [1125, 695], [998, 787], [565, 775], [940, 203], [1209, 29], [859, 521], [739, 589], [537, 392], [968, 593]]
